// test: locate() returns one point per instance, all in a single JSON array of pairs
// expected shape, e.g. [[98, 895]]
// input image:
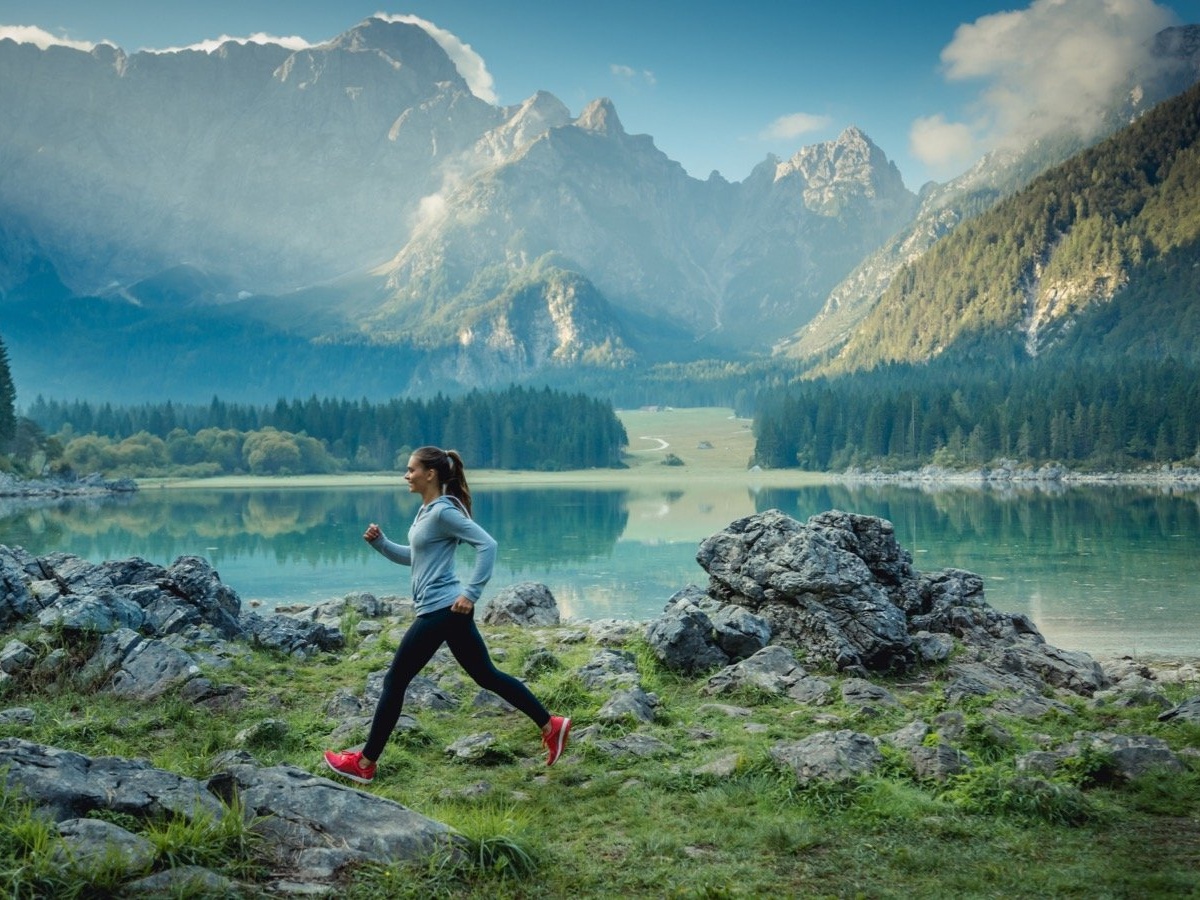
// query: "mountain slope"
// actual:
[[252, 163], [737, 264], [1121, 220], [1174, 65], [356, 214], [356, 195]]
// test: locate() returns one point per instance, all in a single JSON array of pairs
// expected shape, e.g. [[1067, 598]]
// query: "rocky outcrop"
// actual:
[[823, 586], [154, 625], [311, 826], [841, 591]]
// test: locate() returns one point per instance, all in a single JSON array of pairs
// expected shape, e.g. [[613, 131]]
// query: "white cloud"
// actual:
[[31, 34], [1056, 63], [432, 209], [946, 147], [470, 64], [630, 74], [793, 125], [213, 44]]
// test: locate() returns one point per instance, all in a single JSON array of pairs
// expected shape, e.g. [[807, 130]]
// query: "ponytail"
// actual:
[[456, 484]]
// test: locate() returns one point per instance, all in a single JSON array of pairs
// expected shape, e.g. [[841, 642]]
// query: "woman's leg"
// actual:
[[466, 643], [416, 648]]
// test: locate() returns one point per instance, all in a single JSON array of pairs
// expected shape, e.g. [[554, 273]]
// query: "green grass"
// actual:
[[593, 826]]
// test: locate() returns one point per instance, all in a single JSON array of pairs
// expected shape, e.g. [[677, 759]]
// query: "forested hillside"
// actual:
[[1061, 327], [1099, 255]]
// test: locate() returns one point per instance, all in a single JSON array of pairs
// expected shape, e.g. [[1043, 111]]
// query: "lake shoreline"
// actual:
[[1187, 478], [54, 488], [500, 478], [1006, 476]]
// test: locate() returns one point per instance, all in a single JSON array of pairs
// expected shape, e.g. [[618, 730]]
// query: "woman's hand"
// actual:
[[371, 533], [462, 605]]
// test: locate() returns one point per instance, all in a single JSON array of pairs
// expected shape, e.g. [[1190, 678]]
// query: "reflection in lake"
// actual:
[[1107, 569]]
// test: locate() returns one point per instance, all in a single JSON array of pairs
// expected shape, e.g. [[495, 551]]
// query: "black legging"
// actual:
[[420, 642]]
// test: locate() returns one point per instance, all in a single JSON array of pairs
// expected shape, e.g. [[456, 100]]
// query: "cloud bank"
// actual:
[[1056, 64], [213, 44], [39, 37]]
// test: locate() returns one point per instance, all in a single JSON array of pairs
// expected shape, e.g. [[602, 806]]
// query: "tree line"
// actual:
[[517, 428], [1099, 415]]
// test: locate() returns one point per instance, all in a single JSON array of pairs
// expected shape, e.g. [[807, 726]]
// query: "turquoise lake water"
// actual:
[[1101, 569]]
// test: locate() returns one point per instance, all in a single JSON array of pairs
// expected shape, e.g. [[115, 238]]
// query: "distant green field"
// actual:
[[706, 438]]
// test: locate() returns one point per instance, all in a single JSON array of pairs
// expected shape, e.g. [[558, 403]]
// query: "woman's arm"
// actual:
[[467, 530], [397, 553]]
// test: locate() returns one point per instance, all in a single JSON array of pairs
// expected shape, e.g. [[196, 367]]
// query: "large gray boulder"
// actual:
[[829, 756], [773, 670], [150, 669], [18, 570], [197, 582], [820, 585], [528, 603], [304, 815], [68, 785], [684, 640], [129, 665], [739, 632], [100, 612]]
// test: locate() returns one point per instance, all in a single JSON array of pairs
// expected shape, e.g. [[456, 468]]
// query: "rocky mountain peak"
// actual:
[[522, 125], [1179, 42], [404, 45], [850, 157], [110, 55], [600, 116], [845, 171], [545, 106]]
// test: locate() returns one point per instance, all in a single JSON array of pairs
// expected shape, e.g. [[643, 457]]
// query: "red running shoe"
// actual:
[[556, 738], [351, 765]]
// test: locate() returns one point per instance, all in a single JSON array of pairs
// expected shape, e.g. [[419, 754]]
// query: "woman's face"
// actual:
[[418, 477]]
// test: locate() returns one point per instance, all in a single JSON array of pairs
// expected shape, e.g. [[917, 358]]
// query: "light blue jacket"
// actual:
[[433, 538]]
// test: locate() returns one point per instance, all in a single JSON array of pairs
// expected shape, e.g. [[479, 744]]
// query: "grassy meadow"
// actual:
[[710, 815]]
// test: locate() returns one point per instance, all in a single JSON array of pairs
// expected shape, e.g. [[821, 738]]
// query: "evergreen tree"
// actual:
[[8, 399]]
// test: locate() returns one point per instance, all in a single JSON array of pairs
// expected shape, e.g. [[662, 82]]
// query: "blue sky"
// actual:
[[720, 86]]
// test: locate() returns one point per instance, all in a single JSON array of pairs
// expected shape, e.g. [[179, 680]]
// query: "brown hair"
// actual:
[[448, 466]]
